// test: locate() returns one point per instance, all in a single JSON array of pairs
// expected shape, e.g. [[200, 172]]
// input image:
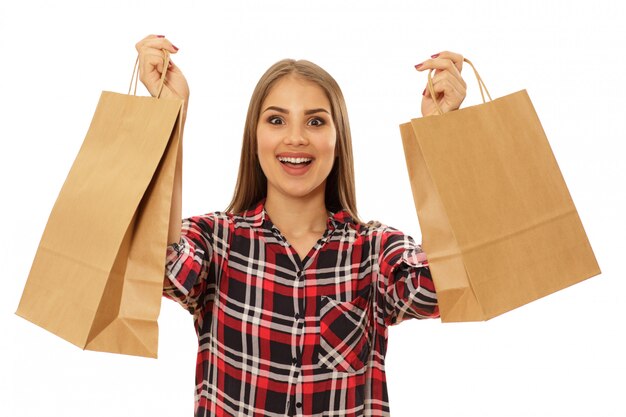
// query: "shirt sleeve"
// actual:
[[188, 263], [408, 285]]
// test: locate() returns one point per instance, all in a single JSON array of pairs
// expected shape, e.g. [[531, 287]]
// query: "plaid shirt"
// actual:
[[283, 336]]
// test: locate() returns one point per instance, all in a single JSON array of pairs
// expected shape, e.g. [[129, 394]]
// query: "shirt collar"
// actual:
[[257, 215]]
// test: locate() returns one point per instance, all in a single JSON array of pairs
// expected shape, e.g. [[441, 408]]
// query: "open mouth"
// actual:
[[295, 162]]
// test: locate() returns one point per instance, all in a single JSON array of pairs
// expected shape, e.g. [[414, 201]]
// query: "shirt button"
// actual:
[[294, 360], [297, 316], [298, 404]]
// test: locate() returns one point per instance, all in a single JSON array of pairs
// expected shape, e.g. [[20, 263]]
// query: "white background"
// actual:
[[563, 355]]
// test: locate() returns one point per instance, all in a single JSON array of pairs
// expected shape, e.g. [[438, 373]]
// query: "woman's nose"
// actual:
[[296, 136]]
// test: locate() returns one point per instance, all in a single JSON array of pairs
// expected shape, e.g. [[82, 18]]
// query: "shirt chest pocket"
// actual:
[[345, 332]]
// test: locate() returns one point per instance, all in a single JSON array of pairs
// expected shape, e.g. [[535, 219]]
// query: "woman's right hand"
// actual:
[[150, 51]]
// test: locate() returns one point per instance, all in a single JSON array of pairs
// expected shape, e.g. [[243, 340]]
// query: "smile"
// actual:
[[295, 161], [295, 166]]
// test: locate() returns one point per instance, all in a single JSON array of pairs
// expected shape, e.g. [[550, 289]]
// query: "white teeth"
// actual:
[[294, 160]]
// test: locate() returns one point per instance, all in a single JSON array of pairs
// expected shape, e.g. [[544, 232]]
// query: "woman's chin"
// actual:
[[300, 191]]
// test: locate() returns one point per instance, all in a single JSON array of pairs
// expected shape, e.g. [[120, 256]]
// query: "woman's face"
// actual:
[[296, 138]]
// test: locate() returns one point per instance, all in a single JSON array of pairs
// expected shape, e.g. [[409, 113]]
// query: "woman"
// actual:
[[291, 293]]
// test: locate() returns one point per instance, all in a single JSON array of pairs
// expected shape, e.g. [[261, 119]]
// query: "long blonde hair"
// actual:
[[251, 181]]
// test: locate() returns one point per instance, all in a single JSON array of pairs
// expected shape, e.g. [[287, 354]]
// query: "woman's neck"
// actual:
[[297, 216]]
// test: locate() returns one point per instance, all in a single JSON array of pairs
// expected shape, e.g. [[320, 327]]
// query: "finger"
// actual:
[[150, 61], [151, 66], [448, 94], [443, 88], [446, 77], [448, 90], [153, 37], [454, 57], [152, 55], [157, 42], [441, 65], [140, 44]]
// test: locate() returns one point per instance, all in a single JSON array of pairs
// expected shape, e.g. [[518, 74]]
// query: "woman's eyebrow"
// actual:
[[306, 112], [320, 110]]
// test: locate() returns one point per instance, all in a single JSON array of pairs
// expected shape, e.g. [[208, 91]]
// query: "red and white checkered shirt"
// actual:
[[279, 335]]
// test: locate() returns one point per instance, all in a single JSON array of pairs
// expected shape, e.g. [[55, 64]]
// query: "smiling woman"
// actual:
[[325, 112], [296, 140], [291, 293]]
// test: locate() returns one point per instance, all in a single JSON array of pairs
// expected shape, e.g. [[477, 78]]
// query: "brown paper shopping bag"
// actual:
[[97, 276], [499, 226]]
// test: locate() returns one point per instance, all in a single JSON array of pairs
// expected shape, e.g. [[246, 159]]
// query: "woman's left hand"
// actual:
[[449, 86]]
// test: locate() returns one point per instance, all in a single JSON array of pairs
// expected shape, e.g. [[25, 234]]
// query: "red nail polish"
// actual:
[[174, 47], [160, 36], [419, 65], [434, 56], [424, 93]]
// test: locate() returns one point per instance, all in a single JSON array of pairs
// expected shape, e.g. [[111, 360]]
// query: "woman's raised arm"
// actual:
[[151, 62]]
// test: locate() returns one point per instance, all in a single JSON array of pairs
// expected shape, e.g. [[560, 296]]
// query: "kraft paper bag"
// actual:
[[97, 277], [498, 224]]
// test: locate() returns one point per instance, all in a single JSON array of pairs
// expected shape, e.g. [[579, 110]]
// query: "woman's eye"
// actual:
[[316, 122], [275, 120]]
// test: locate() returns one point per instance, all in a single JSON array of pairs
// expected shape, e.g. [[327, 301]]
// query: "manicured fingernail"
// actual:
[[424, 93], [419, 65], [160, 36], [434, 56], [174, 47]]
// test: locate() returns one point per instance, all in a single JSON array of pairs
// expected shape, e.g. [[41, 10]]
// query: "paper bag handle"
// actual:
[[135, 76], [481, 85]]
